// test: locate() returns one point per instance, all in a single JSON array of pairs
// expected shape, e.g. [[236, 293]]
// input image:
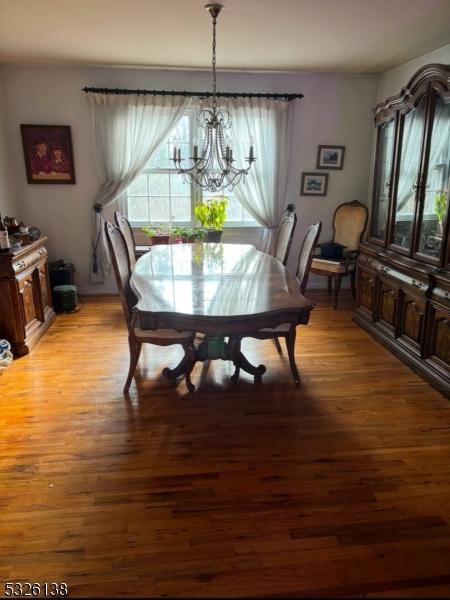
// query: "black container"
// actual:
[[61, 273], [65, 298], [331, 250]]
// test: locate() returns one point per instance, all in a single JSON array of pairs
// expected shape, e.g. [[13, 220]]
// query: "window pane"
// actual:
[[235, 212], [158, 184], [178, 187], [159, 208], [181, 208], [139, 186], [234, 209], [180, 136], [160, 159], [247, 217], [138, 208]]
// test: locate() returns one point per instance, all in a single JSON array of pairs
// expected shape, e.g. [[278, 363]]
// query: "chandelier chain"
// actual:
[[214, 61]]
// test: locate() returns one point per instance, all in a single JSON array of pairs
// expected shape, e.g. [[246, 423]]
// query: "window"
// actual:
[[159, 194]]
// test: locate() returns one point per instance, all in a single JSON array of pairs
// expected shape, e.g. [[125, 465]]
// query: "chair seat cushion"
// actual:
[[330, 266], [166, 334]]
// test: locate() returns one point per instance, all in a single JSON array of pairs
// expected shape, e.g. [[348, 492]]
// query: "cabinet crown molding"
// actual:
[[436, 72]]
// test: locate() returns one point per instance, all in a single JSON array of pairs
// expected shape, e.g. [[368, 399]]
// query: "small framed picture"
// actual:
[[314, 184], [330, 157], [48, 153]]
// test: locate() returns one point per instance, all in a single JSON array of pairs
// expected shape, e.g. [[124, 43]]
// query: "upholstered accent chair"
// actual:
[[286, 330], [134, 252], [349, 224], [285, 234], [136, 336]]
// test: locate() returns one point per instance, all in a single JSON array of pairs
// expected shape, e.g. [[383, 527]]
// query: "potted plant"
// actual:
[[440, 207], [212, 215], [179, 234], [158, 235]]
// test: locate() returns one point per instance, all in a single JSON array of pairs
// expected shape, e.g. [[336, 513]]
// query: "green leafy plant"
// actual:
[[150, 231], [162, 229], [440, 205], [198, 234], [212, 213]]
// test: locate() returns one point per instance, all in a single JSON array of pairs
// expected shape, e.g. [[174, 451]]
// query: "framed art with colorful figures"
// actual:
[[48, 153]]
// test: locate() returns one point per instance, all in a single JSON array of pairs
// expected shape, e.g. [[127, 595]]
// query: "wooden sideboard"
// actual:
[[25, 300]]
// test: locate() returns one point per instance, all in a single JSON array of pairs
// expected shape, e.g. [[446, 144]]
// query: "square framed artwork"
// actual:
[[314, 184], [330, 157], [48, 153]]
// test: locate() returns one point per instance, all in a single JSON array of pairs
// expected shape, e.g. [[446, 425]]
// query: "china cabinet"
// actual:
[[404, 265]]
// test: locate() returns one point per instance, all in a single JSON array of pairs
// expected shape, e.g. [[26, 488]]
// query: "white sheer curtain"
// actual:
[[438, 162], [410, 158], [269, 122], [127, 130]]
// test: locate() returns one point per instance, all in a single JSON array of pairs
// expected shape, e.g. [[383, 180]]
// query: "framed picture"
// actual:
[[330, 157], [48, 153], [314, 184]]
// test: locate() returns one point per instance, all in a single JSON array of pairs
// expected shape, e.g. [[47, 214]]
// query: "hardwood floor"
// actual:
[[338, 487]]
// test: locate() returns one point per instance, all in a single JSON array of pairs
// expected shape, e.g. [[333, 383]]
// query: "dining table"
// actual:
[[223, 291]]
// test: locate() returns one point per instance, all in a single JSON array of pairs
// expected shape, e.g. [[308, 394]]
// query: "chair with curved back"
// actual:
[[134, 252], [136, 336], [288, 330], [285, 234], [349, 224]]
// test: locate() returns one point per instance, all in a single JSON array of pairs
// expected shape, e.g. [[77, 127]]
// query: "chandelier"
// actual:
[[213, 168]]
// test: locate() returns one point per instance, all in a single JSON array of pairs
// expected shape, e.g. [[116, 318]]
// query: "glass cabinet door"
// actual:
[[383, 179], [408, 175], [435, 186]]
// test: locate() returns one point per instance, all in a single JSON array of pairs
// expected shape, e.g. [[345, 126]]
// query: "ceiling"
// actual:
[[344, 36]]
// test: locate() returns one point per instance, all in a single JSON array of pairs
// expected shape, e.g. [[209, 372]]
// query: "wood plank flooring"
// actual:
[[338, 487]]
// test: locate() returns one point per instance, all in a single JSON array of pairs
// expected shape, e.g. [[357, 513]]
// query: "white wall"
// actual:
[[336, 110], [8, 204], [391, 82]]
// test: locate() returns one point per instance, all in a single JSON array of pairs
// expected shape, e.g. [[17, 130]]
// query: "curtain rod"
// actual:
[[117, 91]]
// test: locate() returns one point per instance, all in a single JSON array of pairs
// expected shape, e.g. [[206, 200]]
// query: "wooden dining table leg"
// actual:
[[177, 371], [241, 362], [180, 369], [235, 348], [191, 359]]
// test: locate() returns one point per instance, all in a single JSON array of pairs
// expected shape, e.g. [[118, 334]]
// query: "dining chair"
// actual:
[[349, 224], [286, 230], [288, 330], [136, 336], [134, 252]]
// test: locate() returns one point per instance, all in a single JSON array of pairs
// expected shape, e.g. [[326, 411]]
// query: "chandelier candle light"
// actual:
[[213, 169]]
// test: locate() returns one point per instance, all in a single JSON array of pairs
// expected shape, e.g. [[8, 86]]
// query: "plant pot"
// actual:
[[159, 239], [213, 236]]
